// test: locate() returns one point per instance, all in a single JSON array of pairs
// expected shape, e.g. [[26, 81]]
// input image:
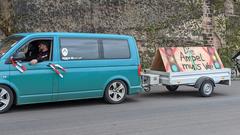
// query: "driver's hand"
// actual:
[[33, 62]]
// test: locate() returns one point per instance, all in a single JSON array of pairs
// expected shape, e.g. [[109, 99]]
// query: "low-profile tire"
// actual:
[[172, 88], [115, 92], [206, 88], [6, 98], [234, 73]]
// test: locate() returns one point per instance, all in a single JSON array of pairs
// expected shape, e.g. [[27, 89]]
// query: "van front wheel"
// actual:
[[6, 98], [115, 92]]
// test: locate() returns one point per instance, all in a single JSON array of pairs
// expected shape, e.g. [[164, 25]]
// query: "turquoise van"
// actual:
[[50, 67]]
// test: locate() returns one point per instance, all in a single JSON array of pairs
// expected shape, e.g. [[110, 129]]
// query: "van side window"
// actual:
[[115, 49], [77, 49], [37, 49]]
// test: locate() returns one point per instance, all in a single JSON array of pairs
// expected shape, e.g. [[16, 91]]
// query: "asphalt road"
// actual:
[[154, 113]]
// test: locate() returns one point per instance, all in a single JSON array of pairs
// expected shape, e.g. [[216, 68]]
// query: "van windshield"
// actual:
[[7, 43]]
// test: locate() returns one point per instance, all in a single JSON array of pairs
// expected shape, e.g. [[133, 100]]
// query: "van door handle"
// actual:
[[54, 68], [60, 67]]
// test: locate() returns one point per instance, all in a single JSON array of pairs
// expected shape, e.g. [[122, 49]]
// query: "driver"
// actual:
[[43, 53]]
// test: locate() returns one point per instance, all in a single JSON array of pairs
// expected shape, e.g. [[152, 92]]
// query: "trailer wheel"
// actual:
[[206, 88], [172, 88]]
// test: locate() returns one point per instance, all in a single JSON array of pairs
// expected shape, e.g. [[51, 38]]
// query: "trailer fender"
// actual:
[[200, 81]]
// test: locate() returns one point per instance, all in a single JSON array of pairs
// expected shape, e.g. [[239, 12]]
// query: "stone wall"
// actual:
[[5, 18], [149, 21]]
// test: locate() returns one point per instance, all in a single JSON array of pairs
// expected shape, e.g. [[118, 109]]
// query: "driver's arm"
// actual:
[[43, 58]]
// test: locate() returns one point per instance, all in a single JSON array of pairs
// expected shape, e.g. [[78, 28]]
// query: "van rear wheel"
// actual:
[[115, 92], [6, 98]]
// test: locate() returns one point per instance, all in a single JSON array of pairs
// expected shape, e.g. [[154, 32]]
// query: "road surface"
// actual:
[[154, 113]]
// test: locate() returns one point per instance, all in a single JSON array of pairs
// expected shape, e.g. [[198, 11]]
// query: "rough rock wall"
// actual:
[[5, 18], [90, 15], [146, 20]]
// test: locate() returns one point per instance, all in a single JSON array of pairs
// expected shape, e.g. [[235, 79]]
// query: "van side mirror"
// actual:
[[18, 56]]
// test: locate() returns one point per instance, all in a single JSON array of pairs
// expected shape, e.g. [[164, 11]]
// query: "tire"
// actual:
[[233, 72], [6, 98], [172, 88], [115, 92], [206, 89]]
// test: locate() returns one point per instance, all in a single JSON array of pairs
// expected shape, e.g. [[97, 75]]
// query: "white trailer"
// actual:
[[205, 80]]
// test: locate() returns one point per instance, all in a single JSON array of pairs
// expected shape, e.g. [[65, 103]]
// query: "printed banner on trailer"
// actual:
[[180, 59]]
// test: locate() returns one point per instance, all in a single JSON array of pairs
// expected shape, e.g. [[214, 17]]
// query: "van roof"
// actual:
[[72, 34]]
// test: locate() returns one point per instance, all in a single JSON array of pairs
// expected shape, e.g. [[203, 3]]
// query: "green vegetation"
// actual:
[[226, 27], [232, 41]]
